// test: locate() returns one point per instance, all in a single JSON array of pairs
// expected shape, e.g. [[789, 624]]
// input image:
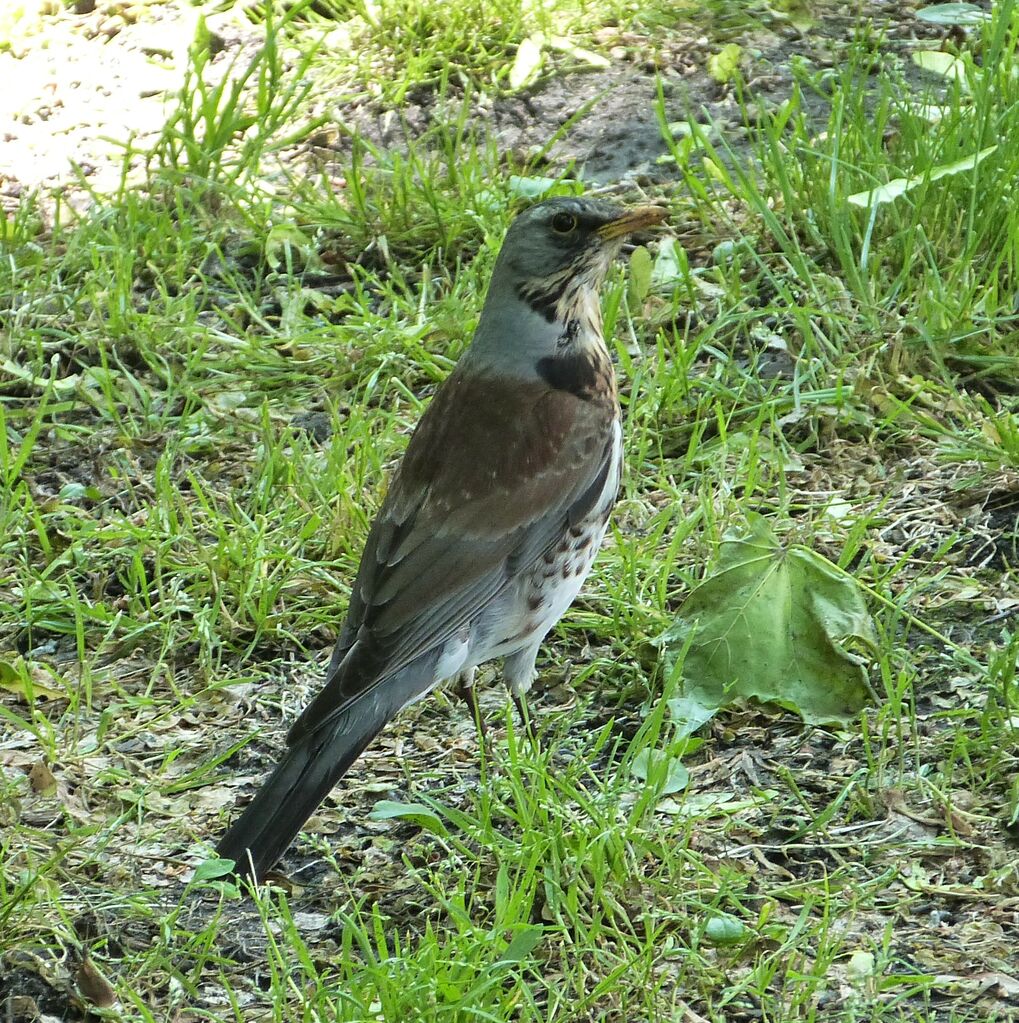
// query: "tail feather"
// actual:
[[299, 783]]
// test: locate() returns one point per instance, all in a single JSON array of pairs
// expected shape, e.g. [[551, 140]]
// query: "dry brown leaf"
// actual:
[[42, 779], [93, 986]]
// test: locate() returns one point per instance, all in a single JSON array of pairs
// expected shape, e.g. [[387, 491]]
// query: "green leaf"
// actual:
[[724, 65], [932, 112], [640, 276], [283, 237], [797, 12], [961, 15], [899, 186], [724, 930], [775, 624], [651, 763], [689, 714], [60, 385], [860, 967], [423, 816], [536, 187], [73, 492], [212, 869], [527, 62], [940, 63]]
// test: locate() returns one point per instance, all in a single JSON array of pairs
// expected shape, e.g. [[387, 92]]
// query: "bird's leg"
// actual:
[[519, 673], [466, 691]]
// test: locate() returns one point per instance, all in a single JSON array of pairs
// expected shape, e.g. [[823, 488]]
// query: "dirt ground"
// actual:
[[78, 87]]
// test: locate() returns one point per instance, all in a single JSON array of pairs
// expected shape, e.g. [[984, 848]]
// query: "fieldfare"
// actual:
[[492, 520]]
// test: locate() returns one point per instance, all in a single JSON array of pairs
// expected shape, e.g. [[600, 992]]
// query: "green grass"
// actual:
[[400, 51], [205, 386]]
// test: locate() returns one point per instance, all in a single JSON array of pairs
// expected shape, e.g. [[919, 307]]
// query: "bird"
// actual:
[[492, 519]]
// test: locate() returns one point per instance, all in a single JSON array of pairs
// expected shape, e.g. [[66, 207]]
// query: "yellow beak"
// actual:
[[634, 219]]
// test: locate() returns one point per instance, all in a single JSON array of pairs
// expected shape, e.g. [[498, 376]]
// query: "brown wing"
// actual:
[[489, 478]]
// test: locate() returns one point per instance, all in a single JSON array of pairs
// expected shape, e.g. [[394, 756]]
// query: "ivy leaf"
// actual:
[[777, 624]]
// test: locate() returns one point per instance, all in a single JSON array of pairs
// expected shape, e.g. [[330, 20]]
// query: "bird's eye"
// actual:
[[564, 223]]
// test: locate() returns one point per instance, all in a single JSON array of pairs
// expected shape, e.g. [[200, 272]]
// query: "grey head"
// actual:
[[545, 285]]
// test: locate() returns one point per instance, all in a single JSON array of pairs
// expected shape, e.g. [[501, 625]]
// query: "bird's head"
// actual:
[[557, 253], [543, 297]]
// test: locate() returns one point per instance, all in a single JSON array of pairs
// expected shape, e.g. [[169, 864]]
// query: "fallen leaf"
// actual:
[[961, 15], [1004, 986], [710, 804], [564, 45], [941, 63], [307, 922], [860, 967], [42, 779], [527, 62], [722, 66], [93, 986], [25, 679], [900, 186], [777, 624], [671, 263]]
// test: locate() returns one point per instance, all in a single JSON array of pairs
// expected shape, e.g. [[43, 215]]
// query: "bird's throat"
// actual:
[[583, 370], [569, 296], [569, 302]]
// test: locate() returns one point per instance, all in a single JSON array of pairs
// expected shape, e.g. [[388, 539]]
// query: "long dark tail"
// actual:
[[313, 764]]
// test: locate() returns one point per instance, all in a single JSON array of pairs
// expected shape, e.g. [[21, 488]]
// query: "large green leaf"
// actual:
[[780, 624]]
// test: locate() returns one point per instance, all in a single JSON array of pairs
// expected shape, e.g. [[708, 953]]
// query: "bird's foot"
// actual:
[[525, 719], [466, 691]]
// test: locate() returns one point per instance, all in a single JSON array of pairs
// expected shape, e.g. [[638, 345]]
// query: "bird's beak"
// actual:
[[634, 219]]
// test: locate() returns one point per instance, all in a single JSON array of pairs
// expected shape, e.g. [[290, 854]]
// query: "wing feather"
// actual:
[[492, 476]]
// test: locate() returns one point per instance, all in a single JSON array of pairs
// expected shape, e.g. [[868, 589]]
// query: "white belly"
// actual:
[[528, 609]]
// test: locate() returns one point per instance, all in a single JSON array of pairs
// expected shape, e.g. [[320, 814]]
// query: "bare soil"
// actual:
[[80, 86]]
